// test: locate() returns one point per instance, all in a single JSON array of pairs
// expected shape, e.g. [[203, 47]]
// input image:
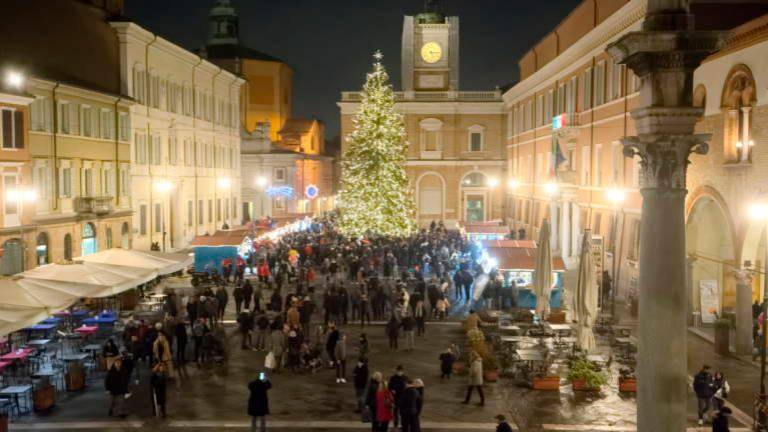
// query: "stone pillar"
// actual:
[[664, 55], [743, 311], [746, 148]]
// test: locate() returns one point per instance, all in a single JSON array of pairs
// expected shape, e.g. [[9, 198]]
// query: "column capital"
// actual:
[[664, 158], [743, 276]]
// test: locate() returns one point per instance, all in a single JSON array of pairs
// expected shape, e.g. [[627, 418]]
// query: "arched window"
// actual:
[[737, 101], [41, 249], [68, 247], [125, 236], [89, 245], [109, 238], [474, 179]]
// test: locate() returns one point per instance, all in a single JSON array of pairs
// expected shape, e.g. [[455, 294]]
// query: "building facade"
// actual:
[[286, 168], [64, 148], [456, 148], [566, 119], [185, 140]]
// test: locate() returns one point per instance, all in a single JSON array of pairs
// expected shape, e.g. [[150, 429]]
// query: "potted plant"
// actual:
[[722, 335], [544, 381], [585, 376], [627, 380], [490, 367]]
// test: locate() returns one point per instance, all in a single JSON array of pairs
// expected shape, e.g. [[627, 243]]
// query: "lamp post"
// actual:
[[759, 212], [617, 197], [164, 187]]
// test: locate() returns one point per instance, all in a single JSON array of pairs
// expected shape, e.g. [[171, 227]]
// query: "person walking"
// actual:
[[409, 407], [277, 343], [721, 388], [262, 331], [408, 325], [396, 385], [247, 294], [180, 331], [245, 325], [161, 349], [116, 385], [420, 315], [384, 403], [703, 386], [365, 309], [446, 364], [360, 381], [330, 343], [442, 307], [475, 379], [238, 295], [158, 383], [258, 402], [223, 298], [502, 424], [393, 332], [340, 354]]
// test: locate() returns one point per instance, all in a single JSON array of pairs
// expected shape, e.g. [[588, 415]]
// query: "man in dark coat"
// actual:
[[116, 384], [704, 389], [258, 403], [397, 383], [158, 383], [360, 380], [409, 407], [247, 294], [180, 331], [503, 425], [238, 295], [223, 297]]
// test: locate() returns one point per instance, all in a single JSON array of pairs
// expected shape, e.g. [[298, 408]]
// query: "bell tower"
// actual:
[[430, 50], [223, 24]]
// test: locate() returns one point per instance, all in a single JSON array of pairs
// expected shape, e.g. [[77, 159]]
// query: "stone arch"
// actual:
[[715, 251], [739, 88], [430, 188], [700, 96]]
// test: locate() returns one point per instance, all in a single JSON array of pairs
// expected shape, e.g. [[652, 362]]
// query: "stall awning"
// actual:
[[520, 258], [486, 229], [508, 244], [92, 279], [222, 238], [163, 263]]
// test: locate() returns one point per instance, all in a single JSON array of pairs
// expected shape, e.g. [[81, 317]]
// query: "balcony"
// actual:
[[434, 96], [566, 126], [93, 205]]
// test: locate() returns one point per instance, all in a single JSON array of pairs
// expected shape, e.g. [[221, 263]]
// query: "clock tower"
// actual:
[[430, 51]]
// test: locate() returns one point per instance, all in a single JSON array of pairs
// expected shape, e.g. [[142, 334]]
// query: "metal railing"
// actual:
[[96, 205]]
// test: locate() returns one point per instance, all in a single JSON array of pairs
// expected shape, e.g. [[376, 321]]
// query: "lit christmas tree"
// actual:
[[375, 195]]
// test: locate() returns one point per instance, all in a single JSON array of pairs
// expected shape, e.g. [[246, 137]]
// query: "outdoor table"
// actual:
[[530, 356], [565, 341], [20, 354], [509, 328], [92, 349], [596, 358], [68, 358], [16, 391], [75, 314], [86, 331], [39, 343], [44, 328], [51, 320], [99, 320]]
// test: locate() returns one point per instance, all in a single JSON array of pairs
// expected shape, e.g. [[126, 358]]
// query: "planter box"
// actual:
[[44, 398], [556, 318], [581, 385], [628, 385], [722, 339], [546, 383], [75, 378], [458, 367], [490, 375]]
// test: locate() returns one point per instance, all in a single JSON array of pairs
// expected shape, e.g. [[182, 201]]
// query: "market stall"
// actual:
[[516, 261], [485, 231]]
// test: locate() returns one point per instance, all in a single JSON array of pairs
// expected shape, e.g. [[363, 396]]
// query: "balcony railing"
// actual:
[[434, 96], [566, 126], [94, 205]]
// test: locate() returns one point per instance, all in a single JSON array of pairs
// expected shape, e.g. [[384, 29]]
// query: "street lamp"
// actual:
[[617, 197], [759, 212], [14, 79], [550, 188], [165, 187]]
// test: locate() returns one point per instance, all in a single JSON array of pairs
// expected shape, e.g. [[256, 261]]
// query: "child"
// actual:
[[446, 364]]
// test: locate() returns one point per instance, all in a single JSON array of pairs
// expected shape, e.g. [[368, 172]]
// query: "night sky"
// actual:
[[329, 43]]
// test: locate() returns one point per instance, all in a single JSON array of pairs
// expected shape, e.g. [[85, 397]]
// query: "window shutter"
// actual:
[[18, 120], [73, 123]]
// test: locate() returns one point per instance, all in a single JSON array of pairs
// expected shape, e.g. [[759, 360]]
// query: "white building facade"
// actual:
[[185, 140]]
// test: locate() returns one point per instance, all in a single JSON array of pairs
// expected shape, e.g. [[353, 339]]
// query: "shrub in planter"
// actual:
[[546, 382], [627, 381], [585, 376], [722, 336]]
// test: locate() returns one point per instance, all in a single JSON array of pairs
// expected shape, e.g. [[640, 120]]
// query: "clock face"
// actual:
[[431, 52]]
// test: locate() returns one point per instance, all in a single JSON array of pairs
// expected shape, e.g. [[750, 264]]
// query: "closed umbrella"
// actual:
[[542, 276], [585, 301]]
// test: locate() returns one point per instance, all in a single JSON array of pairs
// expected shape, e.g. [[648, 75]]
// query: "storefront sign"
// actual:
[[280, 191]]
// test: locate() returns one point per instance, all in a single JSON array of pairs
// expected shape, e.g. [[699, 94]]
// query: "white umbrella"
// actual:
[[23, 304], [542, 276], [585, 301], [92, 279], [163, 263]]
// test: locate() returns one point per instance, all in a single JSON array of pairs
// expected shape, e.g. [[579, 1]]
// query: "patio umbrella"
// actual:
[[163, 263], [585, 301], [92, 279], [24, 303], [542, 276]]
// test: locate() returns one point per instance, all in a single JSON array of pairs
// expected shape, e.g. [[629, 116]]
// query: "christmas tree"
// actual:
[[375, 195]]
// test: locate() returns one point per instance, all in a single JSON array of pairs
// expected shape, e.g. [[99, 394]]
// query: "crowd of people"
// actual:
[[294, 298]]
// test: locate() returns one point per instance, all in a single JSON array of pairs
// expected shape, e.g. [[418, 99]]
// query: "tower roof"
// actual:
[[432, 13]]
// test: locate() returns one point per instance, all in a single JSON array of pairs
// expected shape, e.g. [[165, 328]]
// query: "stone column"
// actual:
[[746, 148], [743, 311], [664, 55], [689, 261]]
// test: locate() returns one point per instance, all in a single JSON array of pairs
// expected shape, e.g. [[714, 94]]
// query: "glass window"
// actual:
[[89, 245], [68, 247], [41, 249], [600, 84], [587, 90], [109, 238], [476, 141], [200, 211], [12, 127], [65, 182], [474, 180], [158, 217], [143, 219]]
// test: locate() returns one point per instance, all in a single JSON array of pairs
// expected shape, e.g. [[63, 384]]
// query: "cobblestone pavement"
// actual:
[[217, 396]]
